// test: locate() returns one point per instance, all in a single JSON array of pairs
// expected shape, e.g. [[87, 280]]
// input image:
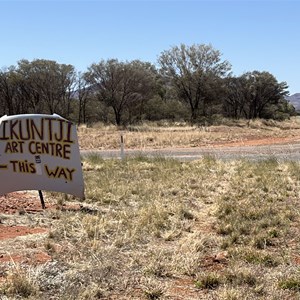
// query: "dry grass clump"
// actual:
[[165, 229], [19, 283]]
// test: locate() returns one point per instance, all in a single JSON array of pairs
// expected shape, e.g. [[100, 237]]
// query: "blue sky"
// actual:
[[252, 35]]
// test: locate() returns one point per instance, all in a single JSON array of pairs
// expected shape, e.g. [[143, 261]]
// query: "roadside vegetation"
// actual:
[[164, 229], [166, 134], [190, 83]]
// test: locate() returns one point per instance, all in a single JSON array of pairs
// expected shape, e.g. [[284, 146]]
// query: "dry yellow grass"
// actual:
[[164, 229], [182, 135]]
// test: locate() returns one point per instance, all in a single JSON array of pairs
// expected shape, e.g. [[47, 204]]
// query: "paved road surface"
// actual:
[[280, 152]]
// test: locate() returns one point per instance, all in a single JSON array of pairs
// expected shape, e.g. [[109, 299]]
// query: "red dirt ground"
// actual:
[[24, 203], [253, 141], [27, 202], [20, 202], [8, 232]]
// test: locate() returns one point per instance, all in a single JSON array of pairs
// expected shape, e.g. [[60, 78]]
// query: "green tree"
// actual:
[[82, 94], [234, 98], [124, 86], [255, 95], [195, 71], [48, 85], [9, 91], [261, 91]]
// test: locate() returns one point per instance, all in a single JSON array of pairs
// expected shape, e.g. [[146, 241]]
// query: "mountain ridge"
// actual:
[[294, 100]]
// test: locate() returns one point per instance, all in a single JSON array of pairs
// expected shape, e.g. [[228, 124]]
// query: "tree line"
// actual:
[[188, 83]]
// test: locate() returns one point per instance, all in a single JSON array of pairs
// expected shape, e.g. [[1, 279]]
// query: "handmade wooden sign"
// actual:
[[39, 152]]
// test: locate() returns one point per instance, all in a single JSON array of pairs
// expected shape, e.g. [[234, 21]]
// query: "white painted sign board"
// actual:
[[39, 152]]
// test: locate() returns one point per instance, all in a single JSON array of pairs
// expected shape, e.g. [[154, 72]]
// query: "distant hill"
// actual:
[[295, 100]]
